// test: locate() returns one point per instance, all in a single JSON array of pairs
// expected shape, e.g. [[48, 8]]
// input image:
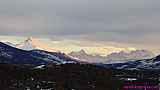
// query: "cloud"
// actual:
[[127, 22]]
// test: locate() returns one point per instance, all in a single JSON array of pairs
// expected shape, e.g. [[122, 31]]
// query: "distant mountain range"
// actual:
[[113, 57], [122, 56], [83, 56], [134, 60]]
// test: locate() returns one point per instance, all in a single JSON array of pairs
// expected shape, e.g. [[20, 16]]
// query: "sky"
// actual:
[[94, 25]]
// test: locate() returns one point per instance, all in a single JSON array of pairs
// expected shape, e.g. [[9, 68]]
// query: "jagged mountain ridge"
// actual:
[[83, 56], [113, 57]]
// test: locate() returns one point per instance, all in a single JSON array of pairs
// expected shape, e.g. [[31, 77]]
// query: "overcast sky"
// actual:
[[134, 23]]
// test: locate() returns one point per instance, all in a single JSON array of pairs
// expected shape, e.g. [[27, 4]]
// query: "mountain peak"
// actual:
[[33, 43], [28, 44], [29, 39], [82, 51]]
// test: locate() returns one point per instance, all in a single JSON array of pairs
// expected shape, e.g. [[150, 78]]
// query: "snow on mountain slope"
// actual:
[[32, 44], [10, 44], [55, 57]]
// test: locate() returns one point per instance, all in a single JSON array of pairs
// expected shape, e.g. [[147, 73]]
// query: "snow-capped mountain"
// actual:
[[113, 57], [127, 56], [33, 44], [83, 56], [28, 44], [13, 55]]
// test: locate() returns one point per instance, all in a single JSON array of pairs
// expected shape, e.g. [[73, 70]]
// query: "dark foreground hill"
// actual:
[[56, 77], [71, 77]]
